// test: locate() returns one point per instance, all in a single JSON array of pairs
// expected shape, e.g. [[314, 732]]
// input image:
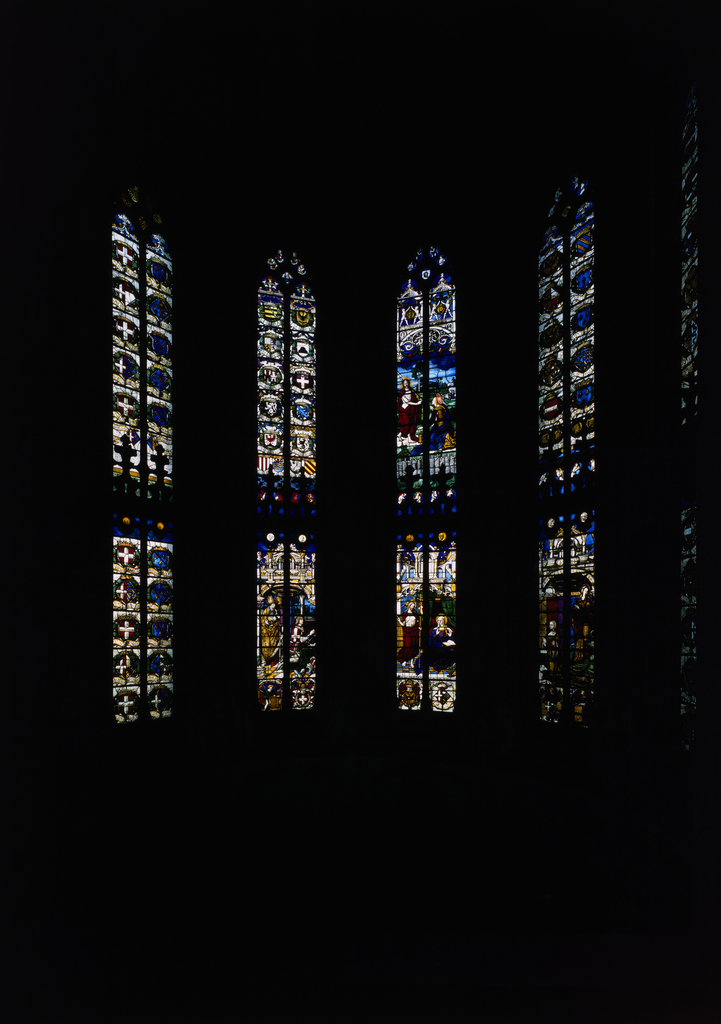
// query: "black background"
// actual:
[[227, 855]]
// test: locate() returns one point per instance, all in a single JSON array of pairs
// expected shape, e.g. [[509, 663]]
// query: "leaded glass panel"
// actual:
[[689, 412], [566, 388], [426, 392], [442, 633], [160, 601], [127, 619], [142, 416], [269, 622], [410, 581], [688, 622], [286, 465], [689, 262]]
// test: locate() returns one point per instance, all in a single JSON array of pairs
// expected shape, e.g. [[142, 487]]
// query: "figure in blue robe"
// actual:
[[440, 426], [441, 645]]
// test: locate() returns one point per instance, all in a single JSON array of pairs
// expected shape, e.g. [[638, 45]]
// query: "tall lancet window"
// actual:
[[689, 408], [689, 263], [286, 461], [426, 542], [142, 463], [566, 575]]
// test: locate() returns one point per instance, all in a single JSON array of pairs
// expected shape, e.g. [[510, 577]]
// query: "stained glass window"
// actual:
[[689, 409], [689, 263], [286, 467], [426, 542], [142, 463], [566, 420]]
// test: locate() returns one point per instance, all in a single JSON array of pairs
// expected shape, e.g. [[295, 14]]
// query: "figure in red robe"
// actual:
[[410, 626], [409, 411]]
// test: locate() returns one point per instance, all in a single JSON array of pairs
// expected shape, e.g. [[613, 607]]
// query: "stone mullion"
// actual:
[[426, 705], [287, 494], [566, 465], [143, 478]]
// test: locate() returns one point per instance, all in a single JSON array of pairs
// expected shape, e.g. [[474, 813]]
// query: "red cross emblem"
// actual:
[[123, 664], [124, 293], [126, 628], [125, 328], [125, 405], [125, 253], [126, 591], [126, 554]]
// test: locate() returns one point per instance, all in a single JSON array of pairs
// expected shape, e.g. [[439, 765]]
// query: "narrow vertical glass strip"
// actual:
[[550, 363], [126, 341], [160, 600], [442, 376], [270, 460], [159, 308], [566, 418], [269, 621], [582, 591], [689, 411], [581, 465], [302, 621], [688, 622], [551, 616], [410, 583], [689, 263], [127, 621], [441, 572], [409, 394], [302, 384], [442, 631]]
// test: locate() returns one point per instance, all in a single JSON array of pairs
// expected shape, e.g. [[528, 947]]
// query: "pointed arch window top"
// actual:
[[423, 262], [293, 265]]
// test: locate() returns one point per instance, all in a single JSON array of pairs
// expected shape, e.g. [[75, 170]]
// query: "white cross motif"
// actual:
[[126, 628], [124, 405], [156, 700], [123, 365], [124, 294], [125, 254], [303, 381], [126, 554], [125, 329], [126, 702], [124, 593], [123, 665]]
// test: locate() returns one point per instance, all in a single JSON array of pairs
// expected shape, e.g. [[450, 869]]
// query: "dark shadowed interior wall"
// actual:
[[354, 844]]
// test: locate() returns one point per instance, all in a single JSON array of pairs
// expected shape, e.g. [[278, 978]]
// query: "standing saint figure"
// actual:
[[411, 636], [299, 638], [441, 429], [270, 630], [442, 645], [409, 411]]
